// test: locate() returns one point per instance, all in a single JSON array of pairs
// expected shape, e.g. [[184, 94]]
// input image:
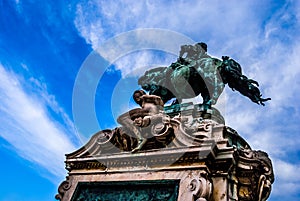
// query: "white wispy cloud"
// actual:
[[27, 125], [287, 175], [99, 20], [263, 37]]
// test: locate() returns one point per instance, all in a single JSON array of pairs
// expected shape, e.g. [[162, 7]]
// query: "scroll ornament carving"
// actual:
[[143, 131], [198, 127], [63, 187], [200, 187]]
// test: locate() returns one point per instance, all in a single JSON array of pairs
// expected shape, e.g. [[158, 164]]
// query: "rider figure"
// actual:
[[193, 52]]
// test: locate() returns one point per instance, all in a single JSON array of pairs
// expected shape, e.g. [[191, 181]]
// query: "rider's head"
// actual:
[[202, 46]]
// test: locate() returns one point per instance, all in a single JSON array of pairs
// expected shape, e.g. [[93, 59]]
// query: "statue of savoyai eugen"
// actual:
[[194, 73], [187, 143]]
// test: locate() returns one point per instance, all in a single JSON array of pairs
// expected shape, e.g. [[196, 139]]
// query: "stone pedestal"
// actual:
[[187, 154]]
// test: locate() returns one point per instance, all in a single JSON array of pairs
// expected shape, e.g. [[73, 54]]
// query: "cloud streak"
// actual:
[[28, 127]]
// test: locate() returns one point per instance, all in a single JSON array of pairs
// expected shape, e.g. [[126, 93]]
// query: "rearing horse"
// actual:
[[206, 76]]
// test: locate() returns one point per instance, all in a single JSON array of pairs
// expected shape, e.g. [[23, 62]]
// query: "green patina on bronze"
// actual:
[[163, 190], [194, 73]]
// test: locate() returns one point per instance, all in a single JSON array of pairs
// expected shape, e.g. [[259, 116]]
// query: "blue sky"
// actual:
[[44, 45]]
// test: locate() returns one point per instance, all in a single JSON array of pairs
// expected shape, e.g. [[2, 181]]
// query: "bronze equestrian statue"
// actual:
[[194, 73]]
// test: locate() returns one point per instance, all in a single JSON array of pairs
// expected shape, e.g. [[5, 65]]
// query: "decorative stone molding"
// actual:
[[201, 187], [63, 187], [158, 131], [255, 175], [210, 161]]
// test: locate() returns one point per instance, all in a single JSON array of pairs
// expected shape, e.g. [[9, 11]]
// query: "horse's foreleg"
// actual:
[[262, 100]]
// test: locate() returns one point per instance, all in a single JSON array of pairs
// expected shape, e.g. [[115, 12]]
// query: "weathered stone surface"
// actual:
[[186, 144]]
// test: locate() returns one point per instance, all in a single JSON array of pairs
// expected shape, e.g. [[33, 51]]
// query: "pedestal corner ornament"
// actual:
[[182, 151]]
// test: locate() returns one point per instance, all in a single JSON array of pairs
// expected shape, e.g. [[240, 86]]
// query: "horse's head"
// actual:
[[231, 64], [231, 73]]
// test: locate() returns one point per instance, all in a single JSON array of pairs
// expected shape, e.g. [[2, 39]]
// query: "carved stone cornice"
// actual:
[[167, 158]]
